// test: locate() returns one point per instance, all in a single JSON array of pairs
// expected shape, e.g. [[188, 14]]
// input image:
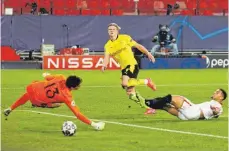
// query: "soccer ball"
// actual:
[[69, 128]]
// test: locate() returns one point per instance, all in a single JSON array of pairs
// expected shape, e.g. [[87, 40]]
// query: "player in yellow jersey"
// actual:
[[119, 46]]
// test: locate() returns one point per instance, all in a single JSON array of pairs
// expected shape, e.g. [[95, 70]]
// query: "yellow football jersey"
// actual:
[[120, 50]]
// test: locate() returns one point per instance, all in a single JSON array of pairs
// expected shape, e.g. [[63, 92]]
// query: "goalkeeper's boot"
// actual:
[[151, 84], [7, 111]]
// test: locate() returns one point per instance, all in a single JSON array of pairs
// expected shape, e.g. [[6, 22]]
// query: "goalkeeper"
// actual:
[[51, 93]]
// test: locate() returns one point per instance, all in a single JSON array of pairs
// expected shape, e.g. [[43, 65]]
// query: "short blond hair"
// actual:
[[116, 25]]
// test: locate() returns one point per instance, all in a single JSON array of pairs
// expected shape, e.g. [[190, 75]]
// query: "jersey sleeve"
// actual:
[[214, 115], [71, 104], [218, 106], [220, 112], [130, 41]]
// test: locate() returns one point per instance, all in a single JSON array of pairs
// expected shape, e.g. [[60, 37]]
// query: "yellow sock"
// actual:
[[135, 82]]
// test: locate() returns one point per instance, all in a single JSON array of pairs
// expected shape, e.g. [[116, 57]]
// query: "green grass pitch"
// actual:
[[102, 98]]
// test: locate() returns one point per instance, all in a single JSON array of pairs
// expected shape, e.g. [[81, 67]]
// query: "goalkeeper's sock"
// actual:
[[158, 103], [135, 82], [22, 100]]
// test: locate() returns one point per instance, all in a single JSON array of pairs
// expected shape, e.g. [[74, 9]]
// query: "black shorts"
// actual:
[[131, 73]]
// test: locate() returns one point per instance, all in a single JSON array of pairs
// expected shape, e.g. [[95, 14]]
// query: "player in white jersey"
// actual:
[[184, 109]]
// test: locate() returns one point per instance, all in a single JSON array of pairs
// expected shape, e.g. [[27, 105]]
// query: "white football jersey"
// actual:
[[205, 107]]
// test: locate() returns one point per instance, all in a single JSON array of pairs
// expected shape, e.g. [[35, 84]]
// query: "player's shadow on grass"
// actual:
[[137, 118], [224, 118], [42, 131], [157, 120]]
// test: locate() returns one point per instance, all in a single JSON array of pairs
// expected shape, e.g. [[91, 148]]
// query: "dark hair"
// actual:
[[73, 81], [224, 93]]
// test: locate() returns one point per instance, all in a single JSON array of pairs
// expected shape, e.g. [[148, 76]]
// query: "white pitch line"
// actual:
[[160, 85], [136, 126]]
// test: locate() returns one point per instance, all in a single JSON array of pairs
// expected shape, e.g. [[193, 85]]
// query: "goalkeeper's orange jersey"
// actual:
[[50, 90], [121, 50], [54, 90]]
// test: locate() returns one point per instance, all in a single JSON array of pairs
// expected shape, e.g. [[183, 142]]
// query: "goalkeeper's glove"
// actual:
[[98, 126], [45, 74]]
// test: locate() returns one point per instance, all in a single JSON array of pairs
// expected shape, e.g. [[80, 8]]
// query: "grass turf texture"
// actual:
[[26, 131]]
